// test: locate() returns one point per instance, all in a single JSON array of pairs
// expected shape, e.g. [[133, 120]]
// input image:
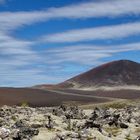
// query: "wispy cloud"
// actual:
[[108, 8], [23, 77], [12, 46], [16, 60], [21, 64], [53, 60], [86, 54], [105, 8], [2, 1], [88, 34]]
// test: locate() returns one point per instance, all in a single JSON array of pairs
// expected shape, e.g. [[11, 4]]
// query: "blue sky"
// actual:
[[49, 41]]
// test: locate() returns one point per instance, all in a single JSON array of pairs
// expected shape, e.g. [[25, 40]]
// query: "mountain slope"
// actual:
[[116, 73]]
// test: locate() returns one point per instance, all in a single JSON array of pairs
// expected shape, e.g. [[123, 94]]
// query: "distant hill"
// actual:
[[113, 75], [116, 73]]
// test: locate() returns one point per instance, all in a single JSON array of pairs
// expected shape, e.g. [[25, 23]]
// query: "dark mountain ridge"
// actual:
[[115, 73]]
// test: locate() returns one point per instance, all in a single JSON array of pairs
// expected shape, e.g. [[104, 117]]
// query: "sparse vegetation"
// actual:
[[116, 105], [89, 138], [69, 125], [113, 130], [24, 104], [14, 118], [128, 137], [138, 131]]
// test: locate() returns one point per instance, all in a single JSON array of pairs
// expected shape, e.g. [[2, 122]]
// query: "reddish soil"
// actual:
[[37, 97], [122, 94]]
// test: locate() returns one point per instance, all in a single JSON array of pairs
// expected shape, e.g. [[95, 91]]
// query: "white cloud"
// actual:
[[20, 64], [2, 1], [85, 54], [16, 60], [108, 8], [13, 71], [87, 34], [11, 46]]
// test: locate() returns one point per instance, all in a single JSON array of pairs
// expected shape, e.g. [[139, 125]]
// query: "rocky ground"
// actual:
[[69, 123]]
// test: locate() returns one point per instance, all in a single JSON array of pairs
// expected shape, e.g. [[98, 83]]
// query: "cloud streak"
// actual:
[[86, 54], [88, 34], [2, 1], [17, 60], [21, 64], [108, 8]]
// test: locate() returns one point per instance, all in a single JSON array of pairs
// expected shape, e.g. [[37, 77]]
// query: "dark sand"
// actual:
[[37, 97], [122, 94]]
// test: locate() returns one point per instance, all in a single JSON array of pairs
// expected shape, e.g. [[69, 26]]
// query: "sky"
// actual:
[[50, 41]]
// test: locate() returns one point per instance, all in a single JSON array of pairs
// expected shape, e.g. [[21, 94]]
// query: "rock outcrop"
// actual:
[[66, 123]]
